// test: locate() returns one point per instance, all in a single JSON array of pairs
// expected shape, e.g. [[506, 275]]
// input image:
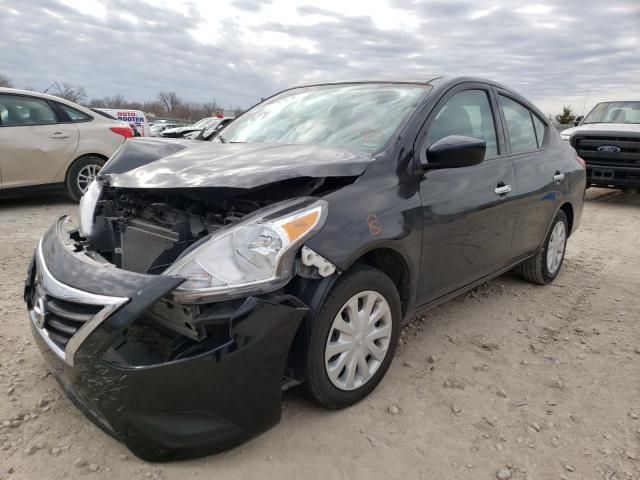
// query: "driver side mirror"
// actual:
[[454, 151], [578, 119]]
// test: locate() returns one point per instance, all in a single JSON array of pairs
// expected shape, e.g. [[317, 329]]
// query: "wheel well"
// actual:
[[312, 293], [98, 155], [395, 267], [568, 211]]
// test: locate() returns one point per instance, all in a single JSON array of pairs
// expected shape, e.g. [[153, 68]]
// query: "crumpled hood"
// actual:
[[164, 163], [603, 127]]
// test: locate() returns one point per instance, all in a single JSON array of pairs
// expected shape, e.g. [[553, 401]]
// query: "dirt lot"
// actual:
[[539, 382]]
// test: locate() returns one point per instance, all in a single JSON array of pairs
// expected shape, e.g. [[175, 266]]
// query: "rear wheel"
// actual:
[[81, 173], [545, 265], [354, 338]]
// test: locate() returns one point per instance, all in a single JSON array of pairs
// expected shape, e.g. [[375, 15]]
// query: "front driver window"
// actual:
[[467, 113], [22, 111]]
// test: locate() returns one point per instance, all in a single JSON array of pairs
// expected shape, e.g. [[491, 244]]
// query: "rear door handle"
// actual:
[[502, 189], [558, 177], [59, 135]]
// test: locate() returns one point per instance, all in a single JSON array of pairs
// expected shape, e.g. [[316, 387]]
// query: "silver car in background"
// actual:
[[46, 142]]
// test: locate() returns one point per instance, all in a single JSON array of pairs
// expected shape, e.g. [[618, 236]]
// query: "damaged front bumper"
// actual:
[[211, 396]]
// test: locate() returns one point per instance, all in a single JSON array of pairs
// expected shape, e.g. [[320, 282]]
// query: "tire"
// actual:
[[541, 268], [377, 290], [77, 175]]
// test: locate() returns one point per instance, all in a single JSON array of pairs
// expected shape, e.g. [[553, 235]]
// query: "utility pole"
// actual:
[[584, 105]]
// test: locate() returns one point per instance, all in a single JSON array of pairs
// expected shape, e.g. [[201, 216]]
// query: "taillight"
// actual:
[[581, 161], [126, 132]]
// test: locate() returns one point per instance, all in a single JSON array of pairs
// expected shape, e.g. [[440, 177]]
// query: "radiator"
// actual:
[[142, 243]]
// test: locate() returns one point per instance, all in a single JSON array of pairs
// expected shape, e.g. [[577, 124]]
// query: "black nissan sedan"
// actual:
[[206, 277]]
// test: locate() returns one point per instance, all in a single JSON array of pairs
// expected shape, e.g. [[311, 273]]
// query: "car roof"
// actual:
[[31, 93], [434, 81]]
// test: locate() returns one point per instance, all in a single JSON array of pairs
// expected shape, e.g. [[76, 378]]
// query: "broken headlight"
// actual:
[[252, 256], [88, 206]]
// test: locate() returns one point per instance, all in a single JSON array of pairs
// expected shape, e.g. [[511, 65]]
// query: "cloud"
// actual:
[[552, 53], [250, 5]]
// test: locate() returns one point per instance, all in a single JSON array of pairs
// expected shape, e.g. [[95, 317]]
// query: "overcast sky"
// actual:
[[237, 51]]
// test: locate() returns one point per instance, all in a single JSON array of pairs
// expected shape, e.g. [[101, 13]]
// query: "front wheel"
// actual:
[[545, 265], [81, 173], [354, 338]]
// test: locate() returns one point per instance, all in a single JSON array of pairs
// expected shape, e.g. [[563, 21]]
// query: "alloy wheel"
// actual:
[[86, 175], [358, 340]]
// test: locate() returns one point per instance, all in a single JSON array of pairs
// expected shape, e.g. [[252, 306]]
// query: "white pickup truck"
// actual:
[[608, 139]]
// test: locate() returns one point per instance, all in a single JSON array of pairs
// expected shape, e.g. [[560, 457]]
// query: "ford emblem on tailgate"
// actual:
[[608, 149]]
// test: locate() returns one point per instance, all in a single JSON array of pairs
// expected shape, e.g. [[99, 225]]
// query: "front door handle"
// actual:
[[59, 135], [502, 189], [558, 177]]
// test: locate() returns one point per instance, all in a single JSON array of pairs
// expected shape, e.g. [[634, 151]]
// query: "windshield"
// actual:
[[614, 112], [356, 117]]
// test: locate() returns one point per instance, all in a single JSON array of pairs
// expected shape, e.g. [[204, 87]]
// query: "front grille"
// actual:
[[65, 316], [63, 319], [629, 155]]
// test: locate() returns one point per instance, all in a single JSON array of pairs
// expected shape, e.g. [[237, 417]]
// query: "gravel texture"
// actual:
[[511, 380]]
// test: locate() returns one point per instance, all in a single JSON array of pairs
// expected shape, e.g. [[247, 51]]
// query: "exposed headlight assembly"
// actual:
[[253, 256], [565, 137], [88, 207]]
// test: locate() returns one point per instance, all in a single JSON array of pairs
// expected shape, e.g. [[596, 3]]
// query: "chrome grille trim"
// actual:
[[57, 289]]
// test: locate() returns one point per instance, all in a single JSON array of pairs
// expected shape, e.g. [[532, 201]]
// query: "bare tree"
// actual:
[[209, 108], [166, 103], [5, 81], [73, 93], [169, 100], [98, 103], [117, 100]]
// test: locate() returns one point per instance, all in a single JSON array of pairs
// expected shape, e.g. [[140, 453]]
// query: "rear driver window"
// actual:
[[522, 135]]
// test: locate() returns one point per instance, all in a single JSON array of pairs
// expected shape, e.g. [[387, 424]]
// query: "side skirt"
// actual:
[[466, 288]]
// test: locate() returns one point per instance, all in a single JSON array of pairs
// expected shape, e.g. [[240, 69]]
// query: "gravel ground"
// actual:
[[511, 380]]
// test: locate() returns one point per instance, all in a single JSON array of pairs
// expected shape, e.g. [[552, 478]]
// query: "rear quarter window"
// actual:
[[541, 129], [75, 115]]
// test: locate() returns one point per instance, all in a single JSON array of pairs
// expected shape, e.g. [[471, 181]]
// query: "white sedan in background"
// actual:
[[157, 128], [49, 142], [201, 125]]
